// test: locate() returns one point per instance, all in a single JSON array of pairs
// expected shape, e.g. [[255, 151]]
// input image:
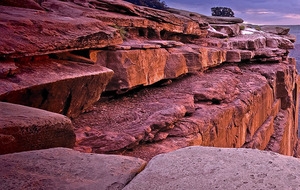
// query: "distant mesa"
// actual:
[[222, 12]]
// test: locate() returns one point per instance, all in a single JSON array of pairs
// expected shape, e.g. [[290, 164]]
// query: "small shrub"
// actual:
[[242, 27], [122, 31], [258, 28]]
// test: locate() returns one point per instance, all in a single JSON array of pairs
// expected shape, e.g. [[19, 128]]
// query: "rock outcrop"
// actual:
[[60, 86], [139, 82], [240, 106]]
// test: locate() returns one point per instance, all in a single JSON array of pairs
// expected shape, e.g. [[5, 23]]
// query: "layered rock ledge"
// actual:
[[139, 82]]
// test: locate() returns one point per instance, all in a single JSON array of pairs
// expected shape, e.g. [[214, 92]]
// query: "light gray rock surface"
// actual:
[[219, 168], [62, 168]]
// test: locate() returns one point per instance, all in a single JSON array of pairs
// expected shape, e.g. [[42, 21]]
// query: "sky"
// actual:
[[269, 12]]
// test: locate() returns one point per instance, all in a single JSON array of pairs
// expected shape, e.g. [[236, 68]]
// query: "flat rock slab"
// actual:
[[23, 128], [62, 168], [219, 168], [59, 86], [27, 32]]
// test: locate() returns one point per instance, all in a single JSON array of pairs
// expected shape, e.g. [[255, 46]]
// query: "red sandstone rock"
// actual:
[[229, 106], [143, 21], [29, 4], [63, 87], [235, 106], [24, 128], [132, 68], [41, 32], [231, 30], [276, 30]]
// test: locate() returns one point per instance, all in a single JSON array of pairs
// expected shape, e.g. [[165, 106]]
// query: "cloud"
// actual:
[[259, 11], [255, 11], [292, 16]]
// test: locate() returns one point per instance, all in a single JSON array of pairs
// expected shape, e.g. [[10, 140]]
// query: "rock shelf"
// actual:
[[134, 81]]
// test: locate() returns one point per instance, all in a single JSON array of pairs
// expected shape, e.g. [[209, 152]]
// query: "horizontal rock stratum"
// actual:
[[139, 82]]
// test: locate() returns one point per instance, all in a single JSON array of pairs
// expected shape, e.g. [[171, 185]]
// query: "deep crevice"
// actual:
[[67, 104], [45, 94]]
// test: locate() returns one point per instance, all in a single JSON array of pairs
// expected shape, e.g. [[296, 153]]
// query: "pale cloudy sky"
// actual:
[[281, 12]]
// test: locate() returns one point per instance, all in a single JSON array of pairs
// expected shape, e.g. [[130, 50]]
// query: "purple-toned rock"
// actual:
[[23, 128], [39, 32], [59, 86], [63, 168]]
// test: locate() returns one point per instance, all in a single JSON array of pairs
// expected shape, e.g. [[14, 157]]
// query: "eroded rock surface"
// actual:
[[230, 106], [219, 168], [60, 86], [39, 32], [216, 81], [62, 168], [23, 128]]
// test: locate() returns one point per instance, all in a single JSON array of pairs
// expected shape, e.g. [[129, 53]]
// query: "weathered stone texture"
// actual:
[[133, 67], [41, 32], [230, 106], [64, 87], [233, 86], [62, 168], [23, 128], [218, 168]]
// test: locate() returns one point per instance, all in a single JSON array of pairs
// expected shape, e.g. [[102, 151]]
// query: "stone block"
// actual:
[[233, 56], [132, 67], [246, 55], [23, 128], [229, 29], [175, 66], [43, 32], [59, 86]]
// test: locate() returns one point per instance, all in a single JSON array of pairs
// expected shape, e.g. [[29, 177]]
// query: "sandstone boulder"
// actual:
[[214, 33], [275, 30], [229, 29], [216, 168], [23, 128], [62, 168]]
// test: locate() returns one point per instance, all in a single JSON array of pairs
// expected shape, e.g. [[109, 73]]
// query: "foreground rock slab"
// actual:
[[62, 168], [23, 128], [219, 168]]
